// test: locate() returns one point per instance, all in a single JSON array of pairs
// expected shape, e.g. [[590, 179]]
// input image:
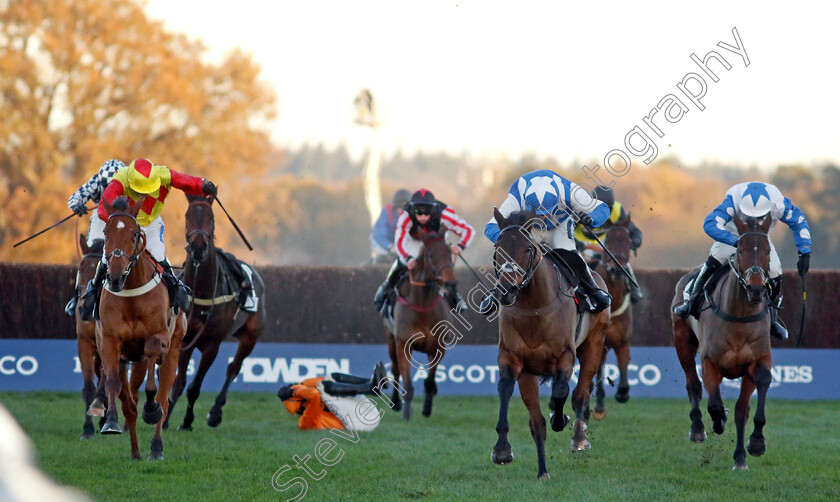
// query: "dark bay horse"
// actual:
[[214, 314], [136, 324], [421, 320], [732, 337], [89, 361], [620, 329], [538, 324]]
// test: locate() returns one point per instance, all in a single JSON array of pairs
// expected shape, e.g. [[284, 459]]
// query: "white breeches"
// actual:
[[96, 230]]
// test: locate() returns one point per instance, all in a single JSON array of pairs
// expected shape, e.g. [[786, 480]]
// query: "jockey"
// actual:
[[92, 190], [424, 211], [756, 200], [140, 178], [382, 234], [332, 403], [554, 198], [617, 217]]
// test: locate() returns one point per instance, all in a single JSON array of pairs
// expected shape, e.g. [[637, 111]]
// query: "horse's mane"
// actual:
[[121, 203], [97, 246], [518, 218]]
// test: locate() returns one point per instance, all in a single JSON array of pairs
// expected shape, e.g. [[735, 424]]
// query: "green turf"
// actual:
[[640, 452]]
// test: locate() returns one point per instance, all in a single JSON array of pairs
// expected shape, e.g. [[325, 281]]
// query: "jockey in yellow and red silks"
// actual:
[[138, 179]]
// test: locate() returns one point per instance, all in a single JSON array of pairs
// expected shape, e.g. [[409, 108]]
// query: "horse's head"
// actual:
[[617, 241], [124, 241], [752, 259], [516, 255], [435, 260], [200, 226]]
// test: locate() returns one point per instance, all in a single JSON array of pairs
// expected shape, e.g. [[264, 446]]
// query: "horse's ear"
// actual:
[[422, 234], [108, 207], [211, 199], [500, 220], [627, 221], [142, 244], [739, 224], [764, 226], [135, 209], [83, 244], [532, 214]]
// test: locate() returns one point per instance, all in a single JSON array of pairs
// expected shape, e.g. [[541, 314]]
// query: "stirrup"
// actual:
[[683, 309], [489, 304], [70, 308], [778, 331]]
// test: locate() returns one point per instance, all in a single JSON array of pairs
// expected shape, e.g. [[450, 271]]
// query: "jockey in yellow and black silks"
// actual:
[[590, 247]]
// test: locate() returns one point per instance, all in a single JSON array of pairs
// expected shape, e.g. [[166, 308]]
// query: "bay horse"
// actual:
[[538, 324], [421, 319], [732, 338], [214, 314], [89, 361], [620, 329], [136, 325]]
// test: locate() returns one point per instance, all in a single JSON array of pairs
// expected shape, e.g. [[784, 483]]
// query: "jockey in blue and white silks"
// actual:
[[555, 200], [752, 199]]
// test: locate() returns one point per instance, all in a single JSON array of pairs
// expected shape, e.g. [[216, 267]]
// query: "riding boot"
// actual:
[[456, 302], [90, 298], [600, 298], [349, 385], [635, 291], [179, 293], [387, 285], [695, 297], [489, 303], [776, 328]]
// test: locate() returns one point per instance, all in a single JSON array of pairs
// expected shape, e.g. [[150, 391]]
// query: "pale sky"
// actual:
[[568, 81]]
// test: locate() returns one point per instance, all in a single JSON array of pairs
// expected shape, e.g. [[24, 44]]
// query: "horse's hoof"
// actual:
[[599, 414], [86, 435], [214, 418], [111, 428], [152, 412], [554, 425], [156, 455], [582, 445], [407, 412], [544, 477], [427, 412], [184, 427], [719, 427], [739, 466], [756, 447], [697, 437], [96, 412], [622, 397], [136, 457], [502, 457]]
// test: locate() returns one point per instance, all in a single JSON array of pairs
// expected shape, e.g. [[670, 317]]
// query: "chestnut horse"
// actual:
[[421, 317], [540, 336], [214, 313], [732, 337], [89, 361], [136, 324], [620, 328]]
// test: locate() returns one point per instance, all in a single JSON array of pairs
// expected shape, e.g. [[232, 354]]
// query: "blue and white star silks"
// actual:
[[720, 227], [549, 193]]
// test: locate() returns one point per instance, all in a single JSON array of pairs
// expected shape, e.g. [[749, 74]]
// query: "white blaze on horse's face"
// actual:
[[120, 224]]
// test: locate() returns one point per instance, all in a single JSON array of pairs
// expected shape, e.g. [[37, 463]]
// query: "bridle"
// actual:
[[755, 268], [428, 258], [511, 267], [199, 232], [610, 266], [118, 252]]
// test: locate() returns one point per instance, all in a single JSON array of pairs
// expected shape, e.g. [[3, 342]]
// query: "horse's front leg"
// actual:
[[166, 374], [529, 387], [129, 407], [111, 367], [589, 355], [742, 413], [711, 380], [622, 354], [403, 355], [686, 345], [396, 401], [600, 411], [87, 355], [429, 385], [762, 379], [247, 340], [208, 356], [502, 453], [180, 383]]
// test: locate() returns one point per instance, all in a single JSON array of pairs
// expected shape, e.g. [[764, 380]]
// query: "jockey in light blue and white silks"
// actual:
[[556, 197], [755, 199]]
